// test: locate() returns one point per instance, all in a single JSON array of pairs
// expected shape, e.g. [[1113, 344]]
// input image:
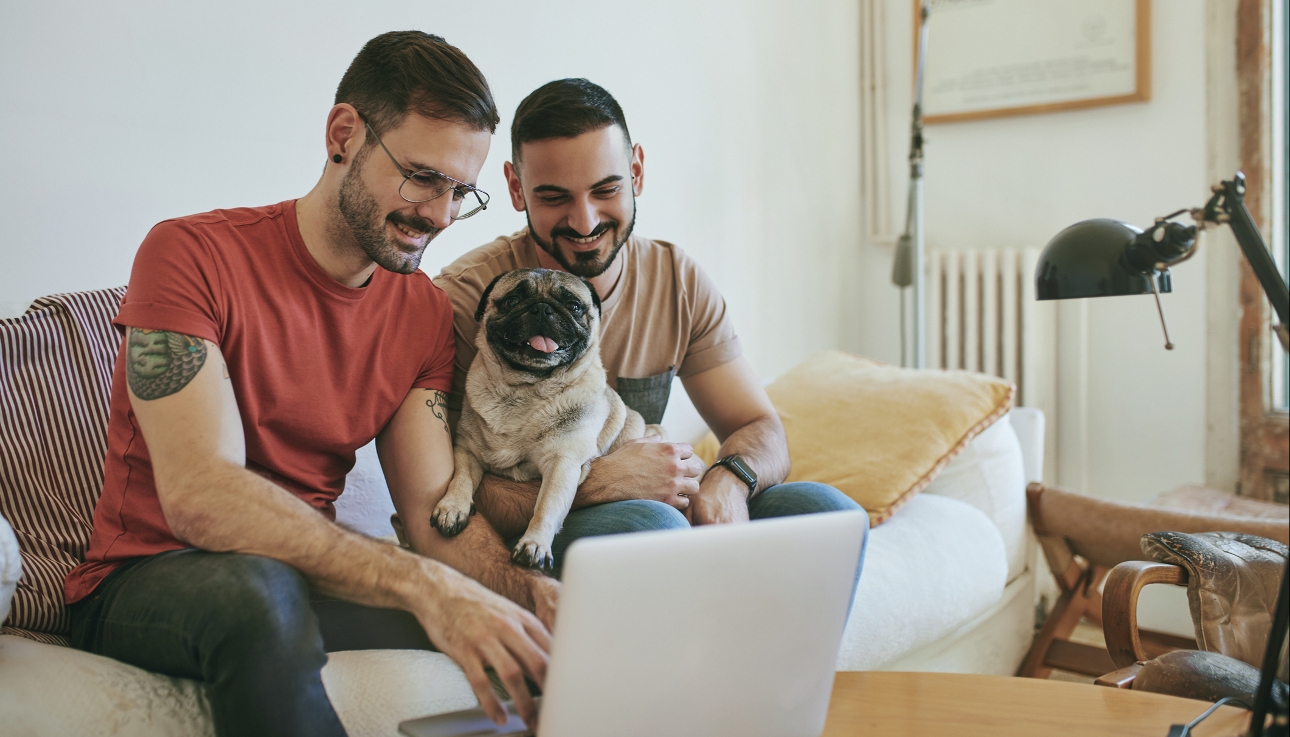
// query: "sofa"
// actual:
[[948, 583]]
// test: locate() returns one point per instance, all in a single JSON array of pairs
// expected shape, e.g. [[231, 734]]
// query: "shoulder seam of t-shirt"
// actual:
[[268, 212], [202, 241], [215, 217]]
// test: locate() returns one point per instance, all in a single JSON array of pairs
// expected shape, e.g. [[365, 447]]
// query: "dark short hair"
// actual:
[[564, 108], [410, 71]]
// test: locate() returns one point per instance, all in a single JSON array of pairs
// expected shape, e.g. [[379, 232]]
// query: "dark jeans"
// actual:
[[245, 626]]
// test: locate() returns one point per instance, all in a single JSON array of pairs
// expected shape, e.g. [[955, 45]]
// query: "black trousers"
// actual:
[[245, 626]]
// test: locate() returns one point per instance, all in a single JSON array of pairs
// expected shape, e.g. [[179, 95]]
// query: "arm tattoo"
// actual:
[[438, 404], [159, 363]]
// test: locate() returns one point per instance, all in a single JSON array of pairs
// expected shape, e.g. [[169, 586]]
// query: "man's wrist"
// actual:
[[728, 465], [591, 492], [416, 589], [724, 481]]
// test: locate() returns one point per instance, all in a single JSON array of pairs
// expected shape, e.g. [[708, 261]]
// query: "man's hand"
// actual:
[[722, 498], [645, 469], [479, 629]]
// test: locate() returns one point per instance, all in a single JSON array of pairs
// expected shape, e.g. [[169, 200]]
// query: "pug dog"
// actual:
[[537, 403]]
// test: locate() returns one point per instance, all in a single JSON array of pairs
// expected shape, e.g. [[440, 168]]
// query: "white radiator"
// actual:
[[982, 316]]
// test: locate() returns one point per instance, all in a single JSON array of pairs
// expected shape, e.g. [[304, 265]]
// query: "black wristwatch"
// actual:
[[742, 470]]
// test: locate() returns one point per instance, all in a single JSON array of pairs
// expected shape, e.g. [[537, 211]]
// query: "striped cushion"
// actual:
[[55, 375], [45, 637]]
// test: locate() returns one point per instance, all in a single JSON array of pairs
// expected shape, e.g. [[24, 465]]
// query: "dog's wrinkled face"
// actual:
[[539, 320]]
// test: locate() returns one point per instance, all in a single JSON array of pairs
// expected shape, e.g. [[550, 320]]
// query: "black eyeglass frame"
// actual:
[[480, 195]]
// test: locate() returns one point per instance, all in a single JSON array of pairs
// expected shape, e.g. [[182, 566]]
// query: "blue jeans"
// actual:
[[639, 515]]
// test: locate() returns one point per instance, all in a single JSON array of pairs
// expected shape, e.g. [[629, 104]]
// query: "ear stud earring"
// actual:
[[337, 158]]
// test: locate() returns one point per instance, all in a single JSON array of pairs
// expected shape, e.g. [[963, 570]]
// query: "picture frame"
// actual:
[[999, 58]]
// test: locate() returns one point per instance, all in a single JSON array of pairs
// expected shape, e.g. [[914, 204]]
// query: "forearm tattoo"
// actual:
[[160, 363], [438, 404]]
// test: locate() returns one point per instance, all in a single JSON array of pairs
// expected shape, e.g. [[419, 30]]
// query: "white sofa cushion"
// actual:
[[934, 566], [989, 474], [373, 690], [52, 690]]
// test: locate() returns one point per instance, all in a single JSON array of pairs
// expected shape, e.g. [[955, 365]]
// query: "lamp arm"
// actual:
[[1228, 205]]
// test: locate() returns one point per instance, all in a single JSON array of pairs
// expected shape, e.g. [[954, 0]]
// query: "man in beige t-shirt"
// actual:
[[576, 174]]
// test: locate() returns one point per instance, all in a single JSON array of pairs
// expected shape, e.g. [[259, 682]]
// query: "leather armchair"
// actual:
[[1232, 581]]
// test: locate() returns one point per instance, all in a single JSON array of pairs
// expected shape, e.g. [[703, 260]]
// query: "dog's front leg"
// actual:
[[559, 485], [452, 513]]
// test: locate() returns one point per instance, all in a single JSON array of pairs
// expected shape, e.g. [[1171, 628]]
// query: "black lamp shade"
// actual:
[[1088, 260]]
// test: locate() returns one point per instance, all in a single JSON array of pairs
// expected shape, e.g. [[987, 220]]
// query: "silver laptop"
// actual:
[[719, 630]]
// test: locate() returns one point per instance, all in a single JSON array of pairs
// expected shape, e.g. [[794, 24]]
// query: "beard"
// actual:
[[586, 264], [361, 215]]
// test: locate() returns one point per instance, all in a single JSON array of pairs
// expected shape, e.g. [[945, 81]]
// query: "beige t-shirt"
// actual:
[[664, 315]]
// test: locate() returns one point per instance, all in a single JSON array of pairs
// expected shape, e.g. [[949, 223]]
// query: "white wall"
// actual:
[[118, 115], [1131, 416]]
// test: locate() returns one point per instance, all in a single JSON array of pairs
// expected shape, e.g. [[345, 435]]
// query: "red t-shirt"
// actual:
[[318, 368]]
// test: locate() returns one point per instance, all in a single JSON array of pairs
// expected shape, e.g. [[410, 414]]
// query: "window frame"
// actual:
[[1264, 429]]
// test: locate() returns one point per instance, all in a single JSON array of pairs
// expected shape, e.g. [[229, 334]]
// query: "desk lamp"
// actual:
[[1104, 258]]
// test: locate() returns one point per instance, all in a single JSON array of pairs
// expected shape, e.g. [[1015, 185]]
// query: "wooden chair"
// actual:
[[1083, 538]]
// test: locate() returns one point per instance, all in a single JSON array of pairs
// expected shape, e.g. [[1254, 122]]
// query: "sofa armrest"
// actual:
[[1028, 423], [1120, 606]]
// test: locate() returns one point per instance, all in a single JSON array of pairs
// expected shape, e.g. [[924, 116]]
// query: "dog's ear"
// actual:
[[483, 299], [595, 298]]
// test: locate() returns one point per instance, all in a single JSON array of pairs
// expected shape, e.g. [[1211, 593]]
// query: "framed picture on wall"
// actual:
[[993, 58]]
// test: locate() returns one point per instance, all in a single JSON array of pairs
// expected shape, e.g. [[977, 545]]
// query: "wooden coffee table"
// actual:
[[917, 704]]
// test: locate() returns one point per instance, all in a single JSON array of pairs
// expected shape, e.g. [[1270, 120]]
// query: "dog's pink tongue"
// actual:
[[542, 343]]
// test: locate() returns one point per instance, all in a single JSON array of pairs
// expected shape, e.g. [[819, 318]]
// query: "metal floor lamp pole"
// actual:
[[908, 267]]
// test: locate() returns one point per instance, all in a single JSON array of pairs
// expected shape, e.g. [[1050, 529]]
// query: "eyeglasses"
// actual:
[[427, 184]]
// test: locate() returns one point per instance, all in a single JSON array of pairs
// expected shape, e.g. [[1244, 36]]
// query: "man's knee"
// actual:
[[640, 515], [263, 604], [633, 515], [799, 497]]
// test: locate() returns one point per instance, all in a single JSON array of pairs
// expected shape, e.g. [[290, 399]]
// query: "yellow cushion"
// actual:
[[877, 433]]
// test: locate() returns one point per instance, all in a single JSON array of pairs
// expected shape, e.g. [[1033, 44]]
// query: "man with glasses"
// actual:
[[576, 175], [264, 346]]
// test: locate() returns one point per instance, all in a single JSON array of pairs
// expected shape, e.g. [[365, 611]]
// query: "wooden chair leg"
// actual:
[[1093, 609], [1061, 622]]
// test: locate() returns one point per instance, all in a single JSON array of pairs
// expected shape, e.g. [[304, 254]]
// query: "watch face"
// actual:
[[741, 469]]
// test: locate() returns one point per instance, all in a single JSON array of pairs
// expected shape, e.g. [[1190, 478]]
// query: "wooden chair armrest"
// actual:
[[1122, 678], [1120, 606]]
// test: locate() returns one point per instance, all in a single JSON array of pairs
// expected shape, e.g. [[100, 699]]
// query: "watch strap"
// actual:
[[736, 465]]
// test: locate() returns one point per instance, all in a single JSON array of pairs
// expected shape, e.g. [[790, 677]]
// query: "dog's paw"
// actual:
[[533, 554], [450, 519]]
